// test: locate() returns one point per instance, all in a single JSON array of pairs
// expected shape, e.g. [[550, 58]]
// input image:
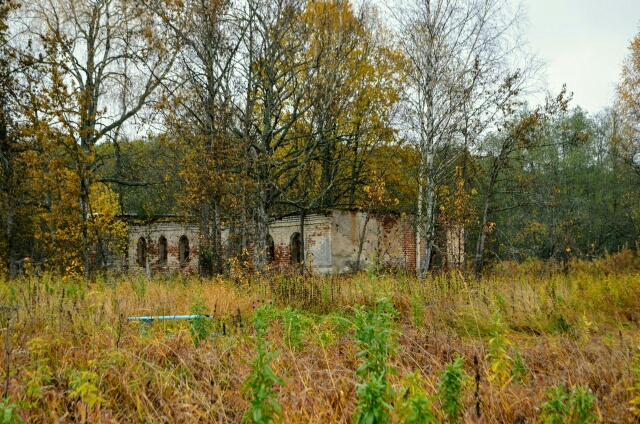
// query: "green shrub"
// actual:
[[574, 407], [295, 323], [374, 337], [555, 410], [450, 390], [519, 371], [582, 403], [416, 407], [500, 362], [263, 405], [201, 326], [8, 412], [84, 385]]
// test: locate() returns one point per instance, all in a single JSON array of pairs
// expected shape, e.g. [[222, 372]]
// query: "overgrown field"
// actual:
[[527, 343]]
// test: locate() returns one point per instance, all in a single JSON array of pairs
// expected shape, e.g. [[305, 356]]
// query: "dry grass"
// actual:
[[74, 357]]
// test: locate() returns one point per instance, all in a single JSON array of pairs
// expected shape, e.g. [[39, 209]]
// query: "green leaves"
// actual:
[[259, 385], [450, 390], [574, 407], [8, 414], [582, 403], [201, 326], [294, 323], [416, 407], [555, 409], [374, 337], [83, 384]]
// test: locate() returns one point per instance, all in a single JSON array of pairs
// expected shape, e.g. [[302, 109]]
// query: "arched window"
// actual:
[[142, 252], [296, 249], [162, 251], [184, 249], [271, 249]]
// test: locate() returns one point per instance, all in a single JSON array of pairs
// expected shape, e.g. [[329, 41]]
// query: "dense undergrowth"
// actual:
[[529, 342]]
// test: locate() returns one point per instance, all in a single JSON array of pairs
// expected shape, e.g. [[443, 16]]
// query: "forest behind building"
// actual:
[[240, 112]]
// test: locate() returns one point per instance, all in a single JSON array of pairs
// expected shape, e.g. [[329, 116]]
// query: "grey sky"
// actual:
[[583, 43]]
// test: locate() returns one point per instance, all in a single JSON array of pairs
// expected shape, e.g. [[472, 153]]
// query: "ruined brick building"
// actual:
[[334, 243]]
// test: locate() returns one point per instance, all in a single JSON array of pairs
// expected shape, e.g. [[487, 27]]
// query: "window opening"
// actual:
[[271, 249], [162, 251], [184, 249], [296, 247], [142, 251]]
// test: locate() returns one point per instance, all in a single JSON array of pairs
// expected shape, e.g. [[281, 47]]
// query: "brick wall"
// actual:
[[409, 246], [386, 239], [331, 243], [172, 231], [317, 242]]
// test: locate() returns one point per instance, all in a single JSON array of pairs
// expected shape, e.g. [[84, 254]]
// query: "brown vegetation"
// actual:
[[75, 357]]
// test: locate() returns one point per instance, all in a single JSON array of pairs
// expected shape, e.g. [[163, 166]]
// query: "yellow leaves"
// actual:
[[83, 384], [635, 389], [356, 72], [377, 193], [628, 98], [103, 200], [456, 207], [490, 227], [500, 363]]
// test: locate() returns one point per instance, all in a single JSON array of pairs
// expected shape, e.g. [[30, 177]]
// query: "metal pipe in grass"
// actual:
[[146, 321], [167, 317]]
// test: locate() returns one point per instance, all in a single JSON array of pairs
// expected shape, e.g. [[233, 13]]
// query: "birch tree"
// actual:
[[628, 107], [460, 72]]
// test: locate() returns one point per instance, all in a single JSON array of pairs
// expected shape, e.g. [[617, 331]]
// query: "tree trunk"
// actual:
[[217, 239], [498, 163], [479, 256], [262, 232], [302, 256], [210, 257], [84, 211], [205, 250], [427, 220], [13, 268]]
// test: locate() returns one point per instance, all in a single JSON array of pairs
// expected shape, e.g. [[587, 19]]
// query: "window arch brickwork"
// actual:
[[141, 258], [271, 249], [296, 248], [184, 250], [162, 250]]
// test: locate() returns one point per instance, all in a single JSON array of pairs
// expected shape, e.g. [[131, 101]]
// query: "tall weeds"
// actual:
[[373, 336], [573, 407], [74, 355], [635, 388], [259, 385], [450, 390]]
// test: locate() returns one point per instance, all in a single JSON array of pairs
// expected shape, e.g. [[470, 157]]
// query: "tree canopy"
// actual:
[[237, 113]]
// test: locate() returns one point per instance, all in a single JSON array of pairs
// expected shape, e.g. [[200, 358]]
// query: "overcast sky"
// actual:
[[583, 43]]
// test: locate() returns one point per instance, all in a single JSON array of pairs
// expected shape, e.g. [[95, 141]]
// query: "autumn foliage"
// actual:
[[512, 339]]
